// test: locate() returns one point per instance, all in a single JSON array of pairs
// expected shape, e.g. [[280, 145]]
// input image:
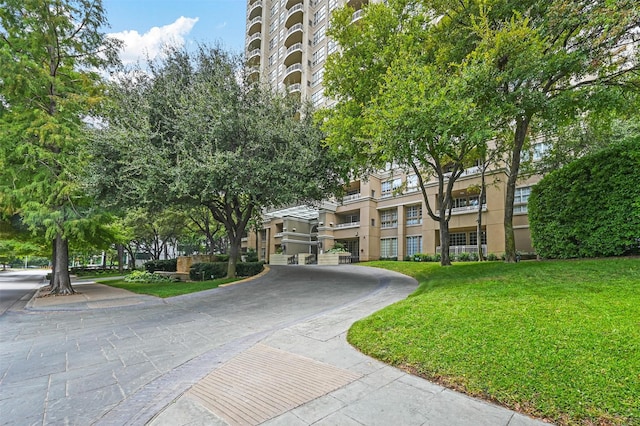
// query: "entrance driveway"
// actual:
[[209, 357]]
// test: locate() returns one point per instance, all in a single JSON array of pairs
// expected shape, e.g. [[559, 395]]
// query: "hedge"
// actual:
[[169, 265], [213, 270], [590, 207]]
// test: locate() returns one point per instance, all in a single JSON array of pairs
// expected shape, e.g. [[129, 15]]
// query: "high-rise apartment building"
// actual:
[[382, 215]]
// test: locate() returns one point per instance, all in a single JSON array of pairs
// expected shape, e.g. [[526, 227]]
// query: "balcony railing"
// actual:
[[257, 19], [253, 53], [456, 250], [295, 88], [351, 197], [293, 68], [347, 225], [356, 15], [254, 6], [297, 8], [293, 29], [256, 36], [463, 210], [297, 46]]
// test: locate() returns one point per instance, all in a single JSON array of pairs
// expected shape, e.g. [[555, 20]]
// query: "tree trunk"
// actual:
[[120, 258], [522, 127], [445, 258], [53, 262], [61, 284], [234, 251]]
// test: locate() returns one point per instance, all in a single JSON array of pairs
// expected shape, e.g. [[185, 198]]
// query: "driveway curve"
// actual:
[[123, 365]]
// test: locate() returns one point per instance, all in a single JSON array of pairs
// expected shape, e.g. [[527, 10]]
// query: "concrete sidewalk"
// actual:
[[302, 374]]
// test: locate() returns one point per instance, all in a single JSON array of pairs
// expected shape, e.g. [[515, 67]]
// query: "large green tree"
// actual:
[[48, 51], [398, 103], [194, 131], [524, 62]]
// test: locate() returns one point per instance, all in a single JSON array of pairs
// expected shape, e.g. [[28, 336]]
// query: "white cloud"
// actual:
[[138, 47]]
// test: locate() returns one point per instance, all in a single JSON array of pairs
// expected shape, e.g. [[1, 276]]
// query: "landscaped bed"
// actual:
[[559, 340]]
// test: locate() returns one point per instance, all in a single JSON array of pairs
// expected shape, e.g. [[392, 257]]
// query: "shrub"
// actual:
[[207, 271], [252, 255], [222, 257], [146, 277], [492, 257], [421, 257], [587, 208], [248, 269], [167, 265], [464, 257]]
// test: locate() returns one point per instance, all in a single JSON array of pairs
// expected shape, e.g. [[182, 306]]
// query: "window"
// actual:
[[388, 247], [352, 218], [414, 245], [317, 98], [332, 46], [414, 215], [458, 239], [333, 4], [318, 56], [274, 9], [272, 59], [521, 199], [272, 26], [539, 150], [473, 238], [318, 36], [389, 218], [389, 186], [412, 183], [319, 15], [316, 77], [273, 42]]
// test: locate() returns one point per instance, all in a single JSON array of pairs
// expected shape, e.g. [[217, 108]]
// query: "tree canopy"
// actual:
[[194, 131], [50, 52], [522, 64]]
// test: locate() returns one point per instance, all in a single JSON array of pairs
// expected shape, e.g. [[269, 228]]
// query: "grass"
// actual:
[[168, 289], [559, 340]]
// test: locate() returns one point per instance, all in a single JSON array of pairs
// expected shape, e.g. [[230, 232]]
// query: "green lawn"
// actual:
[[168, 289], [558, 340]]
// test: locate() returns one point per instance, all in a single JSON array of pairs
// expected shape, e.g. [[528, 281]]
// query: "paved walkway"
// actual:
[[270, 351]]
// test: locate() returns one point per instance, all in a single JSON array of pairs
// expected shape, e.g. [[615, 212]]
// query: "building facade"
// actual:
[[384, 215]]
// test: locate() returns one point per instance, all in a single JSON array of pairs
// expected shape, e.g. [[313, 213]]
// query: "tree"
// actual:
[[196, 132], [47, 51], [409, 110], [544, 61]]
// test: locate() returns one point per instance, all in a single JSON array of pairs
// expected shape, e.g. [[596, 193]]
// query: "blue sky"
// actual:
[[145, 25]]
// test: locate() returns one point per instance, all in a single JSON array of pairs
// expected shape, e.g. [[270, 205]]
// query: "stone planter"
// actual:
[[279, 259], [331, 258]]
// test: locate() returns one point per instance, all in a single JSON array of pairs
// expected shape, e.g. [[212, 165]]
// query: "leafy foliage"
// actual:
[[146, 277], [589, 207], [168, 265], [197, 133]]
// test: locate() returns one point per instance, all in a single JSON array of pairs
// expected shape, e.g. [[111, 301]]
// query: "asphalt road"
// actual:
[[89, 366], [17, 284]]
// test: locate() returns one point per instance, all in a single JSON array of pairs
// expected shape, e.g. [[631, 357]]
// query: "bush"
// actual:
[[168, 265], [214, 270], [492, 257], [252, 256], [146, 277], [589, 207], [464, 257], [248, 269], [421, 257], [207, 271]]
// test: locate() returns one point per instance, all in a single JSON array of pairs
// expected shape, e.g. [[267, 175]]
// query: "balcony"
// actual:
[[293, 55], [255, 10], [253, 55], [255, 25], [295, 68], [352, 197], [294, 35], [253, 42], [294, 15], [347, 225], [253, 73], [295, 88], [464, 210], [291, 3]]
